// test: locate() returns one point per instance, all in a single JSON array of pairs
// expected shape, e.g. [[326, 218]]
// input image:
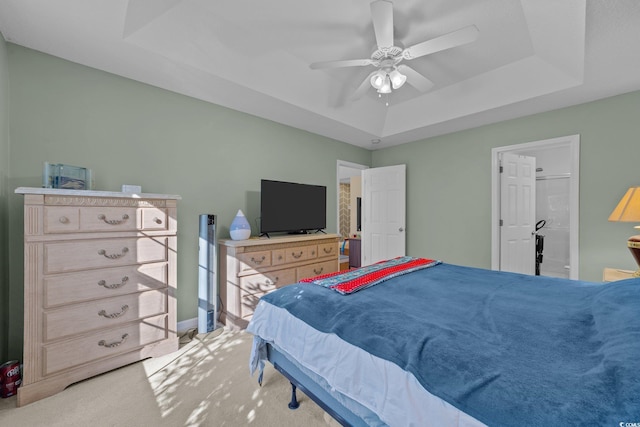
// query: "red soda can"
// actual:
[[10, 378]]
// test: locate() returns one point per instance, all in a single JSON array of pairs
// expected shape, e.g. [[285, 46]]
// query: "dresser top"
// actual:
[[254, 241], [93, 193]]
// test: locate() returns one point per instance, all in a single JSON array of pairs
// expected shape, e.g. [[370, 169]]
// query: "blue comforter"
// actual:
[[507, 349]]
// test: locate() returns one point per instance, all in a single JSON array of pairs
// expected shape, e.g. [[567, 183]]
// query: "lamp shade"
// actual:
[[397, 79], [386, 86], [628, 209], [377, 80]]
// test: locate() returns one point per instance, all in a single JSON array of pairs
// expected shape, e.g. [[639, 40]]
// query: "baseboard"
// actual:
[[188, 324], [185, 325]]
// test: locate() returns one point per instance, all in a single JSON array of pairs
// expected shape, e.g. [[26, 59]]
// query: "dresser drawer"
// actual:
[[317, 269], [73, 219], [61, 219], [153, 219], [108, 219], [278, 257], [301, 253], [253, 287], [83, 317], [254, 260], [104, 343], [107, 282], [101, 253], [266, 282], [327, 249]]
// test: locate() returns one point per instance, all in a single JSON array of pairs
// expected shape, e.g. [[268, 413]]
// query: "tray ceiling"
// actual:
[[253, 56]]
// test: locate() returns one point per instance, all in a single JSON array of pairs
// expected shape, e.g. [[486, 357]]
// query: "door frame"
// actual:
[[351, 165], [573, 142]]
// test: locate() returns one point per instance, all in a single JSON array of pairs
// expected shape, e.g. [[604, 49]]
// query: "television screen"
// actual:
[[291, 207]]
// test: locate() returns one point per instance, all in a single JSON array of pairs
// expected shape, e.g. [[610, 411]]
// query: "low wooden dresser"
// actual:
[[99, 284], [251, 268]]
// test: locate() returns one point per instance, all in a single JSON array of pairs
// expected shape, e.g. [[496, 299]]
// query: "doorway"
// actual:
[[375, 200], [556, 207], [348, 190]]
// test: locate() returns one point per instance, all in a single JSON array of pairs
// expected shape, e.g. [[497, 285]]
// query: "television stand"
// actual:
[[251, 268]]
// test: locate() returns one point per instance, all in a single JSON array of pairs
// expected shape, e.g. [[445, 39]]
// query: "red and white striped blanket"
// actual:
[[348, 282]]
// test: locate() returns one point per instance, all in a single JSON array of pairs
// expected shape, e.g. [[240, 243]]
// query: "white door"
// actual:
[[383, 213], [517, 213]]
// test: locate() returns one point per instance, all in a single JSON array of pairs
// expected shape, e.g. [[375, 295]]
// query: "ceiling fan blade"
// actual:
[[415, 79], [382, 16], [339, 64], [447, 41], [363, 88]]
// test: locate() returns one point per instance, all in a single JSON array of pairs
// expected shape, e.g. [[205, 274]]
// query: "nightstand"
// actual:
[[613, 274]]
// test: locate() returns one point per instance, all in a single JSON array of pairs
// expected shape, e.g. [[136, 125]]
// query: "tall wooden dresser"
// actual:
[[251, 268], [99, 284]]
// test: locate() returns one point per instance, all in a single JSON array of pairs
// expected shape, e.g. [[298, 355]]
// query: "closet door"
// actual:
[[517, 213]]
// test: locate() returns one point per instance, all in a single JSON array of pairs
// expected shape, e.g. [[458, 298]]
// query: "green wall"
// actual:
[[449, 182], [132, 133], [4, 204]]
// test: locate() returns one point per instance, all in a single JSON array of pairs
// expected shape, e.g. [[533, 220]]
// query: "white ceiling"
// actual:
[[253, 56]]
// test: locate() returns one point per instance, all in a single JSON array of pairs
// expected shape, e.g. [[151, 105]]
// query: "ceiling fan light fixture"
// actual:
[[377, 80], [386, 86], [397, 79], [388, 75]]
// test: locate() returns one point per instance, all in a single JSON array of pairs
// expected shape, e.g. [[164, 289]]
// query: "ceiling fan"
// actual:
[[389, 73]]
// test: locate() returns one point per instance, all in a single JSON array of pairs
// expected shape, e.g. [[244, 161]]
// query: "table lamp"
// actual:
[[628, 210]]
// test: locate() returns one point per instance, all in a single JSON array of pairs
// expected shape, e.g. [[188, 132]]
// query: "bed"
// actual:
[[449, 345]]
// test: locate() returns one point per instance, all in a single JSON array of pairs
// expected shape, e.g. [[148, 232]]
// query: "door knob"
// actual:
[[401, 229]]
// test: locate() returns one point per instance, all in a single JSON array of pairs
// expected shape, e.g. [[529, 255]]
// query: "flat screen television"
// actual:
[[292, 208]]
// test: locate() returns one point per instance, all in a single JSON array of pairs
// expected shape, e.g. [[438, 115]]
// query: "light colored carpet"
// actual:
[[205, 383]]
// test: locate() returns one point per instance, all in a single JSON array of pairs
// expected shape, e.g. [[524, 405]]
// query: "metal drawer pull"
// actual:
[[125, 279], [157, 220], [318, 272], [113, 221], [296, 256], [64, 220], [328, 250], [113, 256], [103, 313], [103, 343], [257, 261], [313, 252]]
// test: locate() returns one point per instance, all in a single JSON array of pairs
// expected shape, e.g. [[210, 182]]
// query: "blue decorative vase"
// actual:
[[240, 228]]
